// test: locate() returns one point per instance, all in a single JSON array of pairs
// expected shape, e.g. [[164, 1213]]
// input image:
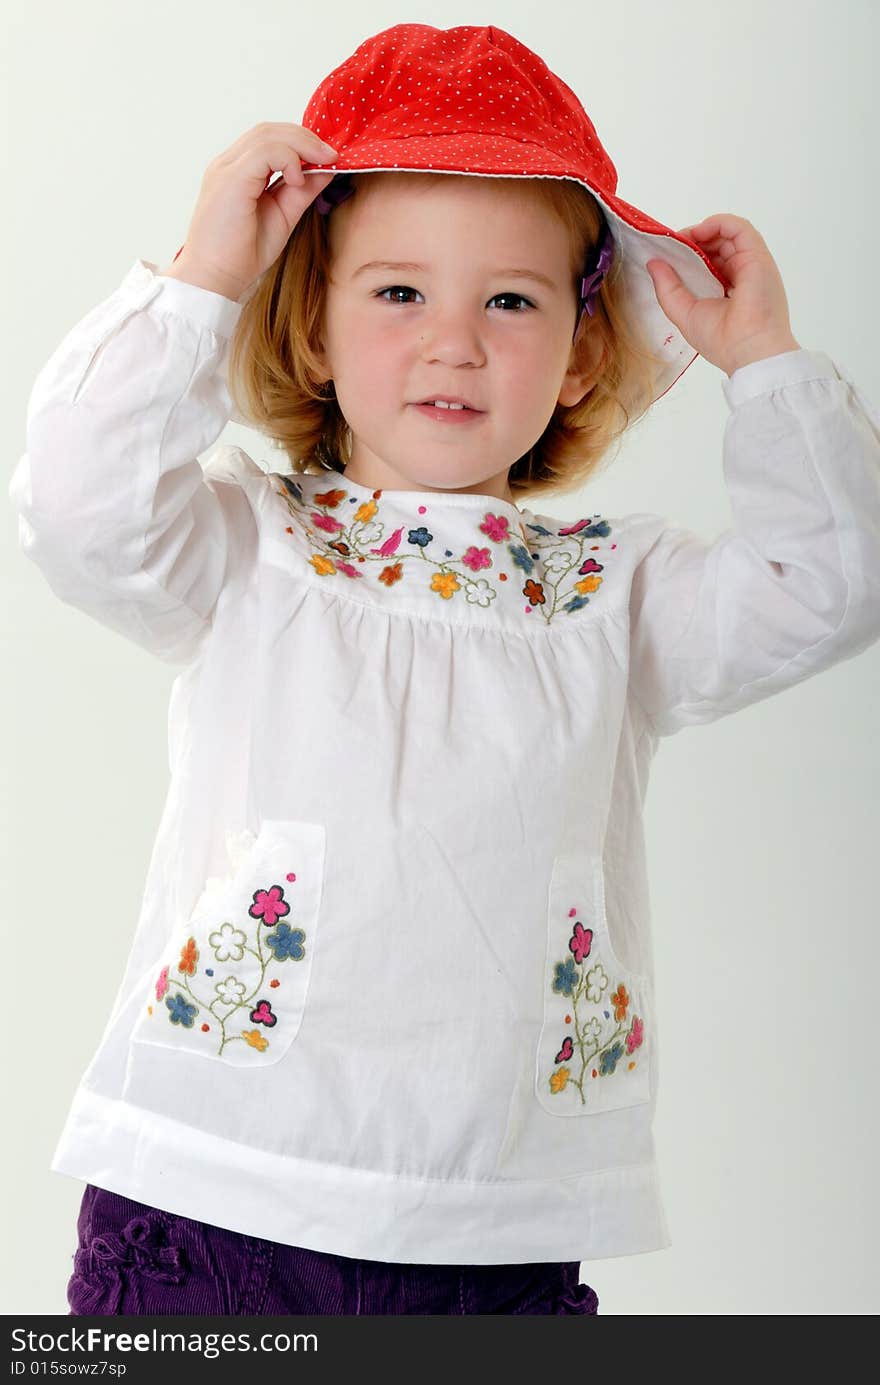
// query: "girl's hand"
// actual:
[[751, 321], [239, 228]]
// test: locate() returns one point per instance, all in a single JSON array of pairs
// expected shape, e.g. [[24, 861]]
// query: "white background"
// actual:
[[762, 827]]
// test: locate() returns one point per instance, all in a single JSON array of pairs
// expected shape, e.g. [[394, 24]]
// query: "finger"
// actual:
[[673, 295], [261, 163]]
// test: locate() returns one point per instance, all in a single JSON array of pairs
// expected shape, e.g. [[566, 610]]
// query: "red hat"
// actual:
[[473, 99]]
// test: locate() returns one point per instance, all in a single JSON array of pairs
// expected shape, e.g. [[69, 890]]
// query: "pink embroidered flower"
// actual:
[[476, 558], [348, 569], [580, 942], [496, 527], [326, 522], [162, 983], [635, 1035], [269, 905]]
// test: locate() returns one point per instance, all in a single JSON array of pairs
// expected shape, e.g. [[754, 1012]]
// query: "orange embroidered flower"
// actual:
[[620, 1000], [588, 584], [255, 1039], [535, 592], [390, 575], [323, 566], [558, 1079], [445, 583], [365, 512], [330, 498], [189, 955]]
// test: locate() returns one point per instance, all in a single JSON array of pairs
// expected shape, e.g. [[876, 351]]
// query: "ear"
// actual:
[[577, 382]]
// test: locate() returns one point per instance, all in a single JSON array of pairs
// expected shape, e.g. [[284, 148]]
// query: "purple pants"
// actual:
[[132, 1258]]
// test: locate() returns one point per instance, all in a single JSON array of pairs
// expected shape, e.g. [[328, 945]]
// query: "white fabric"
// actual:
[[401, 861]]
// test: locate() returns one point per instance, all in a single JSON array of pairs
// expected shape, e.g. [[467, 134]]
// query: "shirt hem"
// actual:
[[358, 1213]]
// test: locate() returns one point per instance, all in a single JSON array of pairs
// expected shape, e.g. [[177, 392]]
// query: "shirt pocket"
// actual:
[[234, 982], [596, 1035]]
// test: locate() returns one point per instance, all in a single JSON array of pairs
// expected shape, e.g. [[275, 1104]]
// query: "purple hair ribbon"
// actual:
[[592, 280], [341, 187], [336, 191]]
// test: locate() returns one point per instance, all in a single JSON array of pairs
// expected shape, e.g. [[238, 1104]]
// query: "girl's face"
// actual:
[[451, 319]]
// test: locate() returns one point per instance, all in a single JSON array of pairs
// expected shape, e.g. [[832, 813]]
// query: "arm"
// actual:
[[113, 506], [794, 586]]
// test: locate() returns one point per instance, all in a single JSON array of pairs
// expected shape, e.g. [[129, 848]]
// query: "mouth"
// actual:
[[449, 412], [453, 402]]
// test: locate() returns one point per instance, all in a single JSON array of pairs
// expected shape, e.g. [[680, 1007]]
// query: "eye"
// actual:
[[403, 288]]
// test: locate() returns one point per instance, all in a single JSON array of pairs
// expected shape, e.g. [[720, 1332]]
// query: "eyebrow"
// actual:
[[420, 268]]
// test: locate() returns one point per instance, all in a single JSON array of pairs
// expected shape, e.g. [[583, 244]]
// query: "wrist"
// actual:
[[759, 351], [189, 274]]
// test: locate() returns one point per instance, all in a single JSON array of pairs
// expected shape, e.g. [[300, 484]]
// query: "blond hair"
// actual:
[[275, 371]]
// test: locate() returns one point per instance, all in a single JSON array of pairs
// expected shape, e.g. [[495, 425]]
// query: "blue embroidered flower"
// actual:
[[521, 556], [608, 1061], [566, 977], [286, 942], [421, 536], [576, 603], [180, 1011]]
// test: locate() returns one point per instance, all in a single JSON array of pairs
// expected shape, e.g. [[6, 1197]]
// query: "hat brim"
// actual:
[[639, 237]]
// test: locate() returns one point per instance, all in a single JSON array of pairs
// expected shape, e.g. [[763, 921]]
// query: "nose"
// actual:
[[452, 336]]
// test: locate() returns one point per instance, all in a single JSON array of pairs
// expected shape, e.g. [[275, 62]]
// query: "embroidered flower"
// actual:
[[496, 527], [180, 1011], [390, 575], [558, 1079], [560, 560], [445, 584], [422, 537], [580, 942], [269, 905], [521, 557], [188, 957], [255, 1039], [327, 523], [597, 981], [230, 990], [479, 593], [476, 558], [330, 499], [620, 1001], [609, 1059], [162, 983], [635, 1035], [286, 942], [567, 977], [262, 1014], [228, 943]]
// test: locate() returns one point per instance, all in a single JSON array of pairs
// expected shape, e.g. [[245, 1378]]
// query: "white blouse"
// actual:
[[391, 990]]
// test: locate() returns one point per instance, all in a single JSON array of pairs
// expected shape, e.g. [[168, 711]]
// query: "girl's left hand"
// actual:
[[751, 321]]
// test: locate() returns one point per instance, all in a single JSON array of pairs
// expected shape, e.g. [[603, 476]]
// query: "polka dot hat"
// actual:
[[475, 100]]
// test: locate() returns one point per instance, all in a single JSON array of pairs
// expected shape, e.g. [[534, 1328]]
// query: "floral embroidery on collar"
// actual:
[[556, 579]]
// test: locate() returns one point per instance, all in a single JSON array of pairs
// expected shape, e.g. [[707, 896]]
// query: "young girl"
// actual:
[[386, 1041]]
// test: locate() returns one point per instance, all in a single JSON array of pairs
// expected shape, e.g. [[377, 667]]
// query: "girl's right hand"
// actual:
[[240, 226]]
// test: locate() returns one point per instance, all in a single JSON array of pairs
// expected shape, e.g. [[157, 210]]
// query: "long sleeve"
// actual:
[[794, 586], [113, 505]]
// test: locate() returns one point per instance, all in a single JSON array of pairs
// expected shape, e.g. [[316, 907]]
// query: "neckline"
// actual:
[[422, 502]]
